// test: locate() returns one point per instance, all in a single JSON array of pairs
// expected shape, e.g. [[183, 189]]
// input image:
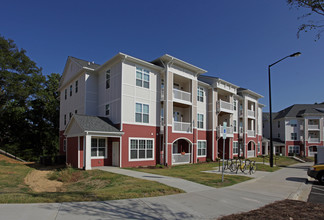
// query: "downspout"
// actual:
[[213, 136]]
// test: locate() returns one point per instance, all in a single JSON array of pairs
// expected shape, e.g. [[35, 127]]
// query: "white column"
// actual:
[[87, 151]]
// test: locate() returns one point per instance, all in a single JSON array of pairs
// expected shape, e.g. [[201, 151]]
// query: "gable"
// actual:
[[73, 129], [70, 71]]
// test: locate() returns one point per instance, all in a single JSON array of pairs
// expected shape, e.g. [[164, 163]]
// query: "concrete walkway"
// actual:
[[197, 204]]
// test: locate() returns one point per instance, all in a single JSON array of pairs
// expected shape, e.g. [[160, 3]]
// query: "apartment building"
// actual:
[[129, 112], [297, 129]]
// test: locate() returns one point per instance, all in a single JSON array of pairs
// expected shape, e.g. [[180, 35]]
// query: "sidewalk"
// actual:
[[201, 204]]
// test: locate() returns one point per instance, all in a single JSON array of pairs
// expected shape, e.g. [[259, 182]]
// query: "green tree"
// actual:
[[29, 106], [316, 7]]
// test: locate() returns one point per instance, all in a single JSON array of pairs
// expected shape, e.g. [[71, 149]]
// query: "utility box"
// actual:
[[319, 156]]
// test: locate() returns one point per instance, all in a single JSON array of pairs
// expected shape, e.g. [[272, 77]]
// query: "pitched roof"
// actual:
[[85, 63], [95, 123], [298, 110]]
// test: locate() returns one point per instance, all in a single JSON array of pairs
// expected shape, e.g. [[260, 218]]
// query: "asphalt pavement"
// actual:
[[200, 202]]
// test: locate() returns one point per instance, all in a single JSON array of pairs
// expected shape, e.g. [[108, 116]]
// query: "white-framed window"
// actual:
[[200, 94], [64, 119], [200, 121], [70, 115], [76, 111], [142, 77], [65, 94], [294, 149], [71, 90], [142, 113], [234, 104], [235, 126], [141, 149], [202, 148], [278, 124], [107, 109], [98, 147], [259, 148], [293, 136], [278, 135], [64, 145], [76, 86], [108, 79], [235, 147]]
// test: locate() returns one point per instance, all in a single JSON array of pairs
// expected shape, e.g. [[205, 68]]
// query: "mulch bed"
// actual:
[[285, 209]]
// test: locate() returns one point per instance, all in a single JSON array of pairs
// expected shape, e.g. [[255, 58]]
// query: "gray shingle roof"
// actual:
[[298, 110], [85, 63], [96, 123]]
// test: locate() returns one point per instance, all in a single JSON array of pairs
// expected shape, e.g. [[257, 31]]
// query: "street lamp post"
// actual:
[[271, 142]]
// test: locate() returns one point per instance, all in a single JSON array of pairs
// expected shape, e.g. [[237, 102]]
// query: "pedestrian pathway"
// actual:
[[185, 185], [206, 204]]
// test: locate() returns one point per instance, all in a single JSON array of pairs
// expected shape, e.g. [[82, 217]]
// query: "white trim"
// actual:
[[106, 146], [205, 149], [139, 138], [120, 151], [238, 148], [79, 165]]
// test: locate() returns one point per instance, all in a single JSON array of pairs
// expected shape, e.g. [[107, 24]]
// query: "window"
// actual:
[[64, 119], [70, 115], [278, 135], [293, 136], [107, 109], [278, 124], [76, 86], [235, 147], [258, 147], [76, 111], [234, 104], [108, 79], [142, 77], [141, 149], [293, 149], [64, 145], [65, 93], [70, 90], [293, 123], [98, 147], [200, 121], [234, 121], [202, 148], [142, 113], [200, 94]]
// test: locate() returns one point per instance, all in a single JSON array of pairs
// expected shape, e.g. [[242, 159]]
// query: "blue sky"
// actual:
[[234, 40]]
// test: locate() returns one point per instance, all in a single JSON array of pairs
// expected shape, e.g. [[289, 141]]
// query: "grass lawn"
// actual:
[[78, 185], [280, 161], [192, 172]]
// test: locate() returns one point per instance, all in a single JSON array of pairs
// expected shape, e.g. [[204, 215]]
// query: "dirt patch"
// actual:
[[285, 209], [37, 180]]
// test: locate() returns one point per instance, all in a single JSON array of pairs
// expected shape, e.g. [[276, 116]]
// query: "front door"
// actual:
[[115, 154]]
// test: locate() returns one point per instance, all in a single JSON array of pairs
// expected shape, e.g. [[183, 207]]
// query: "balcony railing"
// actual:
[[229, 131], [251, 133], [313, 140], [241, 113], [182, 126], [313, 127], [251, 113], [181, 95], [162, 94], [181, 158], [224, 106], [250, 153]]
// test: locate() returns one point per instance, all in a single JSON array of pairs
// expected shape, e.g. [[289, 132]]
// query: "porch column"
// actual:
[[87, 152]]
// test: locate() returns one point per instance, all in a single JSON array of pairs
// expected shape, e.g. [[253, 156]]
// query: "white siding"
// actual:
[[91, 96], [202, 106], [132, 94]]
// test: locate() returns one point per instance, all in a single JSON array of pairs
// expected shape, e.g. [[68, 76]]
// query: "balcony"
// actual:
[[251, 114], [182, 127], [229, 131], [313, 140], [313, 127], [251, 133], [222, 106], [182, 96], [241, 113], [179, 158], [241, 134], [162, 94]]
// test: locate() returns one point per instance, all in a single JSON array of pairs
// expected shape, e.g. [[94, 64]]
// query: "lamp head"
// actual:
[[295, 54]]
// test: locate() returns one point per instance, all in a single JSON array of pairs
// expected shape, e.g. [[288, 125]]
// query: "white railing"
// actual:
[[241, 132], [311, 153], [313, 127], [220, 130], [241, 113], [162, 125], [181, 158], [250, 153], [181, 95], [162, 94], [182, 126], [222, 105], [251, 133], [251, 113], [313, 140]]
